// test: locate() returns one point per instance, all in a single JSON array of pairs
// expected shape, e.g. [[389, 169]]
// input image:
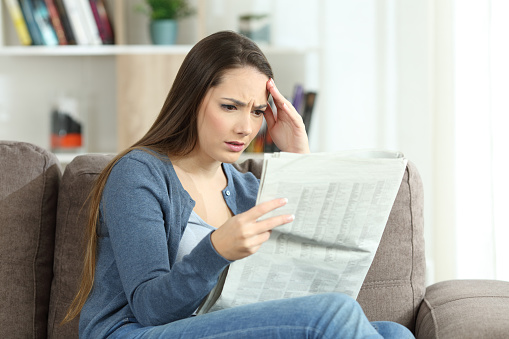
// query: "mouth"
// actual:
[[237, 143], [235, 146]]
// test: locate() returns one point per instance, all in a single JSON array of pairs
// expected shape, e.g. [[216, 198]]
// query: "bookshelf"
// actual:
[[110, 50], [120, 88]]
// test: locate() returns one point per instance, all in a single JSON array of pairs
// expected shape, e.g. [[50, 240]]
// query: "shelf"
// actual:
[[92, 50], [105, 50]]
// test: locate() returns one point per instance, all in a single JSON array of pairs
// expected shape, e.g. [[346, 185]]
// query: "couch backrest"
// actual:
[[393, 288], [72, 215], [395, 284], [29, 181]]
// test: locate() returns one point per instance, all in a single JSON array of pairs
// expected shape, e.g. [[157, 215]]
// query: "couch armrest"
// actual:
[[464, 309]]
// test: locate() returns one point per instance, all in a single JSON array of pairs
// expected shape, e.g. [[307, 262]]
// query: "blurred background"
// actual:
[[429, 78]]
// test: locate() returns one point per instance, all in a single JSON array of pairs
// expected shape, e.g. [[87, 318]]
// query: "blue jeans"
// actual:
[[330, 315]]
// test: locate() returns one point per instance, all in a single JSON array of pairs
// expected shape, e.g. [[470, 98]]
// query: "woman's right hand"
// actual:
[[242, 235]]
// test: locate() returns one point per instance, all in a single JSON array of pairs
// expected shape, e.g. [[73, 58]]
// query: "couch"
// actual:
[[42, 218]]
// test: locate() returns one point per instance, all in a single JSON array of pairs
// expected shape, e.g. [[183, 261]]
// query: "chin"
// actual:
[[231, 157]]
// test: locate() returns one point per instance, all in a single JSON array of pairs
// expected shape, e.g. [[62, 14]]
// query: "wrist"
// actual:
[[215, 241], [301, 149]]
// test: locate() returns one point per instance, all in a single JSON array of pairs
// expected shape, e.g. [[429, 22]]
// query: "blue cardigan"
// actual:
[[143, 214]]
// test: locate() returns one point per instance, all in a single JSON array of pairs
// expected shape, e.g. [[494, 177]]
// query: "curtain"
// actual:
[[482, 138]]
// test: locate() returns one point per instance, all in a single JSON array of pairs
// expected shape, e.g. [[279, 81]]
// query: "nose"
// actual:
[[243, 124]]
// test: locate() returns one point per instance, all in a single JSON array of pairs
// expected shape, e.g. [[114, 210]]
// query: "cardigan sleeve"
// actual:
[[138, 215]]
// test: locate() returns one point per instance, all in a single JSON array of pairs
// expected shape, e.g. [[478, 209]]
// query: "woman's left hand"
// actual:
[[286, 127]]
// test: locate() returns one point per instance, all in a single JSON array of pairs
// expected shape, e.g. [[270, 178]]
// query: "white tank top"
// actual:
[[196, 230]]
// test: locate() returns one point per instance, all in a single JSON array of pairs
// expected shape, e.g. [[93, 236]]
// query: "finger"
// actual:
[[265, 207], [279, 99], [258, 241], [282, 104], [273, 222], [292, 114]]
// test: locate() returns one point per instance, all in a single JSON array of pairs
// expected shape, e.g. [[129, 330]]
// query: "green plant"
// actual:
[[165, 9], [253, 17]]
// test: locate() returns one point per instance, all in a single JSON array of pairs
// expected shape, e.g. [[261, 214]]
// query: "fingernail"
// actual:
[[272, 82], [283, 201], [290, 218]]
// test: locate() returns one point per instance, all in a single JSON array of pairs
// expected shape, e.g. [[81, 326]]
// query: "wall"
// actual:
[[378, 85], [30, 85], [381, 69]]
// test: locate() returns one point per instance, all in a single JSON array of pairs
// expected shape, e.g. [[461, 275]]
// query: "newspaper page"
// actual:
[[341, 204]]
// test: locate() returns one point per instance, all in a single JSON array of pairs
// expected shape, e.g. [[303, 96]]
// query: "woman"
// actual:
[[170, 213]]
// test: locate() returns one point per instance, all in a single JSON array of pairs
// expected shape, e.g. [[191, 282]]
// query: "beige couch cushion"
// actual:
[[29, 180], [77, 182], [395, 284], [465, 309]]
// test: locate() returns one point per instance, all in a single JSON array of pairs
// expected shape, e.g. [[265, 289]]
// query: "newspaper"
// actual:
[[341, 204]]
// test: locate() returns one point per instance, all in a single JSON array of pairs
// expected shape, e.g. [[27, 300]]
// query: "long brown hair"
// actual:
[[174, 131]]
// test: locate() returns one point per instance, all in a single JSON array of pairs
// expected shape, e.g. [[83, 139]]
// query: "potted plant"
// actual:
[[256, 27], [163, 18]]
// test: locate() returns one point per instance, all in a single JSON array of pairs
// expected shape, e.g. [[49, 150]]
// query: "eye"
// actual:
[[227, 107], [258, 113]]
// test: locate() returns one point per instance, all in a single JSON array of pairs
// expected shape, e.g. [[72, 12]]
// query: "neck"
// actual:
[[196, 167]]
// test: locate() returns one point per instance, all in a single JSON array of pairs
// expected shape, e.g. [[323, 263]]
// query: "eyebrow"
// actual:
[[243, 104]]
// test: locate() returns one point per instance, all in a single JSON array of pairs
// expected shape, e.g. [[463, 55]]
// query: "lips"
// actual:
[[235, 146]]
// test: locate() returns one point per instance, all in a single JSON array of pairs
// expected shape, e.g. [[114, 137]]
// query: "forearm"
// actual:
[[177, 294]]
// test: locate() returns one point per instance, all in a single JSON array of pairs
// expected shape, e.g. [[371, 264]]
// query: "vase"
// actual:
[[163, 32]]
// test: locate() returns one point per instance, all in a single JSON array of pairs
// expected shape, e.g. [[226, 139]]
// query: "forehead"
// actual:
[[246, 83]]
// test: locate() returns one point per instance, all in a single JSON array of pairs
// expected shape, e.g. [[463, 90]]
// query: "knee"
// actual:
[[338, 303], [339, 299], [340, 314]]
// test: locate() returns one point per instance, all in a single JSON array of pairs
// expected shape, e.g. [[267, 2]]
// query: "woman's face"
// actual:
[[231, 115]]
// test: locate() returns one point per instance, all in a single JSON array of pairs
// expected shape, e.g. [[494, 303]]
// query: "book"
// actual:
[[19, 22], [341, 202], [33, 29], [304, 103], [103, 21], [42, 19], [56, 22], [309, 104], [77, 22], [64, 20], [298, 97], [91, 29], [66, 127]]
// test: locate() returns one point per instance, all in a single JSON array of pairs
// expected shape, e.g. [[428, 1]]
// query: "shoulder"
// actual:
[[142, 160], [146, 156], [144, 175], [142, 167]]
